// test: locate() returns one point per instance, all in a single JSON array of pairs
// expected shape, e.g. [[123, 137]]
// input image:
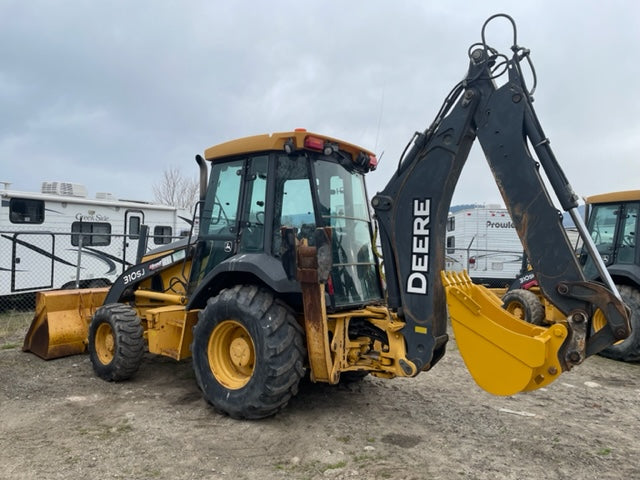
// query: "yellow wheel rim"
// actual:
[[599, 321], [231, 354], [516, 309], [105, 343]]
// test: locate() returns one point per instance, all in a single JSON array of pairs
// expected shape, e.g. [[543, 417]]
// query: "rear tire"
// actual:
[[525, 305], [628, 350], [248, 353], [116, 342]]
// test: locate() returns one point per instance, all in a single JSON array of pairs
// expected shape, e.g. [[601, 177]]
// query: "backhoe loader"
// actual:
[[612, 222], [282, 278]]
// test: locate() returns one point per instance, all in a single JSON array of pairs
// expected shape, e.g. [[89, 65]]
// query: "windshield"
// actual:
[[613, 230]]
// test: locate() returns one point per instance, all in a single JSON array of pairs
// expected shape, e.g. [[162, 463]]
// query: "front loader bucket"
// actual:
[[504, 354], [60, 326]]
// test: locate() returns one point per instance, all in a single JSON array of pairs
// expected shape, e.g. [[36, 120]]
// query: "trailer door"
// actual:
[[133, 220], [32, 256]]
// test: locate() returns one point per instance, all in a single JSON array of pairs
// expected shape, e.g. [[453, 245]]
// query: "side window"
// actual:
[[26, 210], [93, 234], [297, 205], [293, 199], [451, 244], [451, 224], [161, 235], [603, 227], [627, 241], [220, 215]]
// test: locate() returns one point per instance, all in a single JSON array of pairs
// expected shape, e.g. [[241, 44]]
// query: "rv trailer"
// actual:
[[484, 241], [60, 238]]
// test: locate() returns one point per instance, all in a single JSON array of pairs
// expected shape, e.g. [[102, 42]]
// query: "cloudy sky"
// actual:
[[111, 93]]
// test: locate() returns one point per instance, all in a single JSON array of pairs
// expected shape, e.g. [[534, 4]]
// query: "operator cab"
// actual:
[[260, 185], [613, 225]]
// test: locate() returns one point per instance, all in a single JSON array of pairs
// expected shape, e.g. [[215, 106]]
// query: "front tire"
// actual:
[[525, 305], [116, 342], [248, 353]]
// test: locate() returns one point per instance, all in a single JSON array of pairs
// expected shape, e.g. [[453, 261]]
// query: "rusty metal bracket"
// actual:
[[311, 270]]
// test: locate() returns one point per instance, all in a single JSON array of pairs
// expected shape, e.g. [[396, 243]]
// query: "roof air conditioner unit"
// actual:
[[64, 188]]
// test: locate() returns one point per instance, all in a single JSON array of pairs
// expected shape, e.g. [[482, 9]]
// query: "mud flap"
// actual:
[[60, 326], [504, 354]]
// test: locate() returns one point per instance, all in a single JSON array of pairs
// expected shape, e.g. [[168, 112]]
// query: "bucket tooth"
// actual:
[[504, 354]]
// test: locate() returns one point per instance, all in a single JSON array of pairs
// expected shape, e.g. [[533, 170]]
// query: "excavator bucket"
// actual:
[[504, 354], [60, 326]]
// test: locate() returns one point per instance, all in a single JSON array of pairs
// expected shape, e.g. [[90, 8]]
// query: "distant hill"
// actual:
[[567, 221], [456, 208]]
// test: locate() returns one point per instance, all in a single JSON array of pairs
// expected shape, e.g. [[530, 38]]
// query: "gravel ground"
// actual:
[[59, 421]]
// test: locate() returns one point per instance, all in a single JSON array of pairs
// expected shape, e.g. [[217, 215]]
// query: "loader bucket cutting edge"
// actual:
[[60, 326], [504, 354]]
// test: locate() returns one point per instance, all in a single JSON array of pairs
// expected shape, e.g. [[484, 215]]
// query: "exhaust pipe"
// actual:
[[204, 174]]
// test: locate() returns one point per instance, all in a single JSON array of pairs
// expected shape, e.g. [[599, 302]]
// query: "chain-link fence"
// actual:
[[43, 260]]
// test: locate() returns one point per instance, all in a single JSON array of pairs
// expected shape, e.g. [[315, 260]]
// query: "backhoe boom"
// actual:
[[412, 212]]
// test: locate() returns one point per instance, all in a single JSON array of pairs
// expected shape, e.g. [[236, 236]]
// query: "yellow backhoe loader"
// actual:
[[612, 222], [282, 279]]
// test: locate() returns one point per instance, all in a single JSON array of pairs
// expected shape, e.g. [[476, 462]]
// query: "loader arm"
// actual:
[[412, 213]]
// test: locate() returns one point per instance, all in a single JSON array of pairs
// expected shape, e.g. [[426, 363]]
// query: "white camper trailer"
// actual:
[[483, 241], [60, 238]]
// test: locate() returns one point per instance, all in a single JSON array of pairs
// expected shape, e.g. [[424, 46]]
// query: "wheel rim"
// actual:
[[599, 321], [231, 354], [517, 310], [105, 343]]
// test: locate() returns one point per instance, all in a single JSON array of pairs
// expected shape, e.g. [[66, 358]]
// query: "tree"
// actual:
[[176, 190]]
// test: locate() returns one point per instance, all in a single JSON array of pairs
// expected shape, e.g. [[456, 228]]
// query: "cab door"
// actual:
[[219, 227], [626, 241]]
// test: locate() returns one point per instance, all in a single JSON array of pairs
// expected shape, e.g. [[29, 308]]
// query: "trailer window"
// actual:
[[451, 244], [451, 224], [161, 235], [94, 234], [134, 227], [26, 210]]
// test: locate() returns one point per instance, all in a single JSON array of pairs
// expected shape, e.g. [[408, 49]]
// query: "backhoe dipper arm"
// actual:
[[413, 208]]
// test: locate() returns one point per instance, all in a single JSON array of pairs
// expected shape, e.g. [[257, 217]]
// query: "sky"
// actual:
[[110, 94]]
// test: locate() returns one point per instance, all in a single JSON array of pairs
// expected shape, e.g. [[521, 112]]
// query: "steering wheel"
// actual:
[[629, 241]]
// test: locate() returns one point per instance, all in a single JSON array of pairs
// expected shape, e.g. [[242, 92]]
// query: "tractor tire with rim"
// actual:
[[248, 353], [525, 305], [116, 342], [628, 350]]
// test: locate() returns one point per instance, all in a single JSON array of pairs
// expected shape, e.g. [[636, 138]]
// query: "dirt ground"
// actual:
[[57, 420]]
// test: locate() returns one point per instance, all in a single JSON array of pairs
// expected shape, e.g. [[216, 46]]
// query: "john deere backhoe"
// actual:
[[282, 277]]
